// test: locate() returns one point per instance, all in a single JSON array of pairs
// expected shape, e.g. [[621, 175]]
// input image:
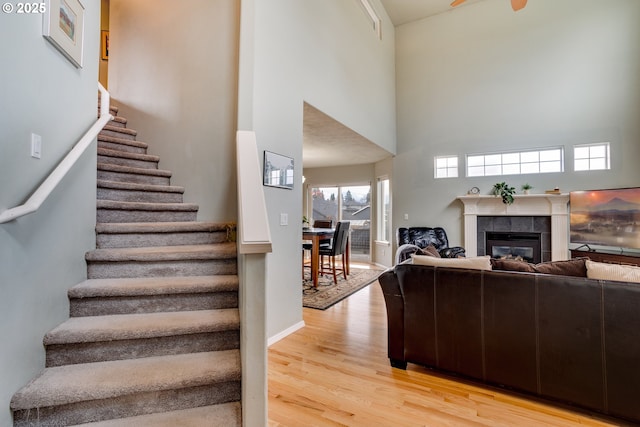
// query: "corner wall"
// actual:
[[42, 254], [323, 52], [173, 73], [482, 78]]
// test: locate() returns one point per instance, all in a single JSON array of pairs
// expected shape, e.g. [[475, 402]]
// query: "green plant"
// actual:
[[527, 186], [305, 221], [505, 191]]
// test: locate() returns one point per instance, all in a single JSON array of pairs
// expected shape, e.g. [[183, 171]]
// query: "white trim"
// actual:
[[277, 337], [553, 205]]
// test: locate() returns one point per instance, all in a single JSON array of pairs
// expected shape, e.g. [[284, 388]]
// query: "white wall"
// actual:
[[482, 78], [325, 53], [42, 254], [173, 74]]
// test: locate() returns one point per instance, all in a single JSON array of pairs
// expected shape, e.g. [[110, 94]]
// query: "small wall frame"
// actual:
[[63, 26], [278, 170]]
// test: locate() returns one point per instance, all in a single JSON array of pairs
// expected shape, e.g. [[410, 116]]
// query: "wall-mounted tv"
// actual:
[[608, 218]]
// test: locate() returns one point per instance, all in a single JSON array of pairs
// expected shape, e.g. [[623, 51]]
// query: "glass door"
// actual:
[[347, 203]]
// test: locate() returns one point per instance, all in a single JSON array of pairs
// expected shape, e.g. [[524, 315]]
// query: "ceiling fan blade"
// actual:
[[457, 3], [516, 5]]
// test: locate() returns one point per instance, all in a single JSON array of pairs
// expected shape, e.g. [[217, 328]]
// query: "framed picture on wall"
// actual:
[[105, 45], [278, 170], [63, 26]]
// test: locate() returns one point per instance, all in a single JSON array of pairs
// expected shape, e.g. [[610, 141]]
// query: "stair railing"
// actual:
[[51, 182]]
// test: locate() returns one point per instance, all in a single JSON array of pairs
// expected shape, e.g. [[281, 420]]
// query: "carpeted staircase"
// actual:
[[153, 338]]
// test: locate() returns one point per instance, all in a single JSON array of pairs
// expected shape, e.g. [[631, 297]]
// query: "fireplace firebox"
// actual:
[[510, 245]]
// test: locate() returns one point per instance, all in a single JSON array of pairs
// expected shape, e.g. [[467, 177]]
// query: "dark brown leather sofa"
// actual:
[[568, 339]]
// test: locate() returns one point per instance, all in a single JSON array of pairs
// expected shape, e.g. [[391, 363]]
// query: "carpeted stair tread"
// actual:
[[119, 120], [83, 382], [147, 206], [140, 326], [164, 253], [93, 288], [222, 415], [161, 227], [129, 169], [117, 129], [122, 141], [126, 155], [119, 185]]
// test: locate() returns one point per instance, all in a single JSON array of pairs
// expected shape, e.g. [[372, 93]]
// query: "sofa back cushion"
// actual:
[[617, 272], [473, 263], [571, 267]]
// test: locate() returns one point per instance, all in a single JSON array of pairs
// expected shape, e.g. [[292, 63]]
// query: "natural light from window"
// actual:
[[516, 163], [589, 157]]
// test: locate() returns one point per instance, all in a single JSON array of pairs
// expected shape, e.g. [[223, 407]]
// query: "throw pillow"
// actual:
[[512, 265], [430, 251], [571, 267], [618, 272], [474, 263]]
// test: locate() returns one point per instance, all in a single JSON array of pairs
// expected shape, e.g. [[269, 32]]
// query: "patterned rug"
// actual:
[[327, 293]]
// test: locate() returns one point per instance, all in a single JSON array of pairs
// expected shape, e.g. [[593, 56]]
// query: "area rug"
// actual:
[[327, 293]]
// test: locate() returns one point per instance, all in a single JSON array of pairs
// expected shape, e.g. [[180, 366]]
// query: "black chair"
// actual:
[[337, 248], [318, 223], [412, 239]]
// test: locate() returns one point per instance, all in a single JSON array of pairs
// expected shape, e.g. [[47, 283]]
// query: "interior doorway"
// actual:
[[346, 203]]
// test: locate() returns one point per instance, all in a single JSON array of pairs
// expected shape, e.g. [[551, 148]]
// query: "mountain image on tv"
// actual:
[[606, 217]]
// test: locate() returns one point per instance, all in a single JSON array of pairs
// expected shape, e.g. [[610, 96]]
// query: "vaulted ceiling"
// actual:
[[327, 142]]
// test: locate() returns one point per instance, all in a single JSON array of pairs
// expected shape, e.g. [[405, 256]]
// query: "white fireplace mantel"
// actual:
[[553, 205]]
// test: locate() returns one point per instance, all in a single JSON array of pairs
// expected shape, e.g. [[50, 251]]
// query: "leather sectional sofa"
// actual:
[[563, 338]]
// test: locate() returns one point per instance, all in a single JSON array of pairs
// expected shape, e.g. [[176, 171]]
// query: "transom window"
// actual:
[[589, 157], [516, 163], [446, 166]]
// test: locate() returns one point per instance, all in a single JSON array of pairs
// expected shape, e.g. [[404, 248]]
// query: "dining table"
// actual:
[[315, 235]]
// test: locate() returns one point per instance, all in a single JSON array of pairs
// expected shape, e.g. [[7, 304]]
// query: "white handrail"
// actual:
[[254, 235], [49, 184]]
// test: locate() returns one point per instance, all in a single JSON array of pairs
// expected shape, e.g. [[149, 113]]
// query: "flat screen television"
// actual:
[[609, 218]]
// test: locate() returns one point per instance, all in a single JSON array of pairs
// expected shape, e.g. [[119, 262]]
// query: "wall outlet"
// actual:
[[36, 146], [406, 217], [284, 219]]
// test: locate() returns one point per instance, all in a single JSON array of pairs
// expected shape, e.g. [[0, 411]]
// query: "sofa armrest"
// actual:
[[394, 302], [405, 251]]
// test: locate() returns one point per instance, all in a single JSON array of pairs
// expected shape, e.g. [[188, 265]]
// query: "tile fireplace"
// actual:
[[546, 214]]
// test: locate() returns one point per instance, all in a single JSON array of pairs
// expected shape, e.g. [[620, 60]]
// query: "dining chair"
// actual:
[[318, 223], [338, 248]]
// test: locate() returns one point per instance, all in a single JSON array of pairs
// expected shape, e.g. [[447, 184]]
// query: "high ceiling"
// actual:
[[327, 142]]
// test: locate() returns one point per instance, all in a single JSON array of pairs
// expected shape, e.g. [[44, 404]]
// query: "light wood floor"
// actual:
[[335, 372]]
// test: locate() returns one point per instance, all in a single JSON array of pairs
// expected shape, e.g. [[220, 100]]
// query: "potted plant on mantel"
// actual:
[[526, 187], [505, 191]]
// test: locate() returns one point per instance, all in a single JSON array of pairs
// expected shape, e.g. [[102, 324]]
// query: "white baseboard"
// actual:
[[277, 337]]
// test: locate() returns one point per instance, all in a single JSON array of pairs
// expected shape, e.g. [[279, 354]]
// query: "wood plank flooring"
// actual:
[[335, 372]]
